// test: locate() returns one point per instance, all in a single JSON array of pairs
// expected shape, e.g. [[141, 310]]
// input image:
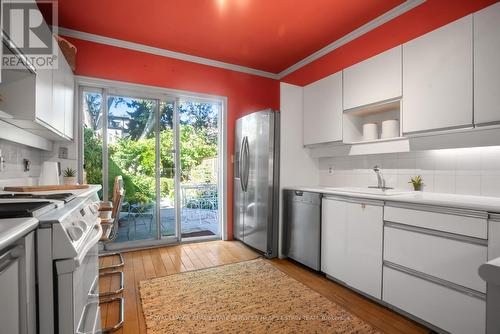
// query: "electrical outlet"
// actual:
[[330, 170]]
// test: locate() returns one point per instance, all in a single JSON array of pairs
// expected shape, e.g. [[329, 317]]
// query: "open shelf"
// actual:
[[354, 119], [375, 108]]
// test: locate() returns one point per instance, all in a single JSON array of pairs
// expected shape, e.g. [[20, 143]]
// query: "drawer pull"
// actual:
[[435, 280], [441, 234], [439, 209], [355, 200]]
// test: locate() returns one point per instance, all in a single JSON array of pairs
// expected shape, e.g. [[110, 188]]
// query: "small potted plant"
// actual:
[[69, 176], [417, 182]]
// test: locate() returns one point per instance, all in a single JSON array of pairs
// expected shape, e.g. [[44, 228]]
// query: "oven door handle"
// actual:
[[68, 266], [81, 323], [90, 243]]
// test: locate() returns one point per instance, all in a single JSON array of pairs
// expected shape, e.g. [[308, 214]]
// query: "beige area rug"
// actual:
[[247, 297]]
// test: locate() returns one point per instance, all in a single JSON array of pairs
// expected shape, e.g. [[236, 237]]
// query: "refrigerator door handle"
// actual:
[[240, 167], [247, 163]]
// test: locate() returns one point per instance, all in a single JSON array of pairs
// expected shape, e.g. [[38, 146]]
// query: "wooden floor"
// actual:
[[144, 264]]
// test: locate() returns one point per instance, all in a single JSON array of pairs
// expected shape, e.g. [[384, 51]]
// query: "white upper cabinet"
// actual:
[[43, 95], [376, 79], [323, 110], [41, 103], [69, 108], [58, 96], [55, 98], [487, 65], [437, 79]]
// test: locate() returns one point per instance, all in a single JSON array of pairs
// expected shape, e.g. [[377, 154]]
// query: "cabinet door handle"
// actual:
[[363, 205]]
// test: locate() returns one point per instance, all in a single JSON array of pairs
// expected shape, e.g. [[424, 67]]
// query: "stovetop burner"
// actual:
[[66, 197], [24, 209]]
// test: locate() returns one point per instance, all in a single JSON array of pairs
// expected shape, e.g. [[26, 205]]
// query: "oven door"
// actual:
[[77, 283]]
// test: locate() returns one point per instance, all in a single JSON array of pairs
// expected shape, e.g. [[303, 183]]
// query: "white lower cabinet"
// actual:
[[333, 239], [444, 307], [431, 261], [352, 244], [446, 256], [421, 260]]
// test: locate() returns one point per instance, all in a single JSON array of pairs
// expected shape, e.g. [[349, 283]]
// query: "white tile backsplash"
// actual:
[[470, 171], [15, 153]]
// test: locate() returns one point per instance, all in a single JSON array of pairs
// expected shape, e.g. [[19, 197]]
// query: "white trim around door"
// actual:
[[160, 93]]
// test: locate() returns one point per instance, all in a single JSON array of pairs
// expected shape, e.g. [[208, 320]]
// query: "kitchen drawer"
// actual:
[[447, 256], [469, 223], [443, 307]]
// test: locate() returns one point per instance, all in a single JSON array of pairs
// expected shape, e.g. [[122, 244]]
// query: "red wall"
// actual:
[[245, 93], [427, 17]]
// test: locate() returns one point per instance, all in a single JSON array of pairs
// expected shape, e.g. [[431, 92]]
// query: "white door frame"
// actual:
[[163, 94]]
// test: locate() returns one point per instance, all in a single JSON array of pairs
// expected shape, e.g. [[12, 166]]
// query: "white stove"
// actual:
[[67, 257], [68, 272]]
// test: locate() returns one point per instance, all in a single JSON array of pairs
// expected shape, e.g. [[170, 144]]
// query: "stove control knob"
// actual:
[[82, 224], [75, 232], [94, 208]]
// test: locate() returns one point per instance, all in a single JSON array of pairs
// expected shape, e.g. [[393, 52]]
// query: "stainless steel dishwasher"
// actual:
[[302, 227]]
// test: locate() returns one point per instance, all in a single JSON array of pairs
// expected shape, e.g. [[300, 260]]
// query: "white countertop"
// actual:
[[481, 203], [14, 228]]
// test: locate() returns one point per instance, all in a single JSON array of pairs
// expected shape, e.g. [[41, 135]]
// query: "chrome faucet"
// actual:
[[380, 179]]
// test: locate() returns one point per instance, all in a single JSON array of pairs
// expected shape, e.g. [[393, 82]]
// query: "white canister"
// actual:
[[370, 131], [390, 128], [49, 174]]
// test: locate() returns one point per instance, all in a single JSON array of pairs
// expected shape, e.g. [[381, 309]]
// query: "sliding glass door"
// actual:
[[167, 151], [131, 146], [199, 168]]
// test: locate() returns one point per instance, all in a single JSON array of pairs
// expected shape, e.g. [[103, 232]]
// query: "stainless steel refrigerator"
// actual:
[[256, 181]]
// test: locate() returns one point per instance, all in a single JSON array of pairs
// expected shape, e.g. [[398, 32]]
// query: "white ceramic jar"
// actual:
[[390, 128], [370, 131]]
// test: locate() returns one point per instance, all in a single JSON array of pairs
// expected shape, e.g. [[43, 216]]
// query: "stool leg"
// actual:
[[113, 266]]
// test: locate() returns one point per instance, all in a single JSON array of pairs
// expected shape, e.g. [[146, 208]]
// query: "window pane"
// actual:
[[92, 134], [198, 126], [132, 154]]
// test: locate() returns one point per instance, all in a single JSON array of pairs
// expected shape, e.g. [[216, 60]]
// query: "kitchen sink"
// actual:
[[370, 191]]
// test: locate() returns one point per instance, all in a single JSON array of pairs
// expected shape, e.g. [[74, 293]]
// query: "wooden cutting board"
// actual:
[[24, 189]]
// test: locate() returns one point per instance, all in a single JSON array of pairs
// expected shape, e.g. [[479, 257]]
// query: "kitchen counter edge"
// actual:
[[12, 229], [467, 202]]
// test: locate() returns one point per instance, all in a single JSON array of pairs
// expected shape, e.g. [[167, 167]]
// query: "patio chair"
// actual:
[[140, 215]]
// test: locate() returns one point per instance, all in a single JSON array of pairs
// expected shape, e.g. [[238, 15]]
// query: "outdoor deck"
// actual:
[[142, 226]]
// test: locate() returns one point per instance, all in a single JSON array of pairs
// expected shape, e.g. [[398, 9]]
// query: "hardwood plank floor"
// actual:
[[157, 262]]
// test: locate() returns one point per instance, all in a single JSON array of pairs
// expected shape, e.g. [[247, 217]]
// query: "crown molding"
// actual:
[[377, 22], [384, 18], [162, 52]]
